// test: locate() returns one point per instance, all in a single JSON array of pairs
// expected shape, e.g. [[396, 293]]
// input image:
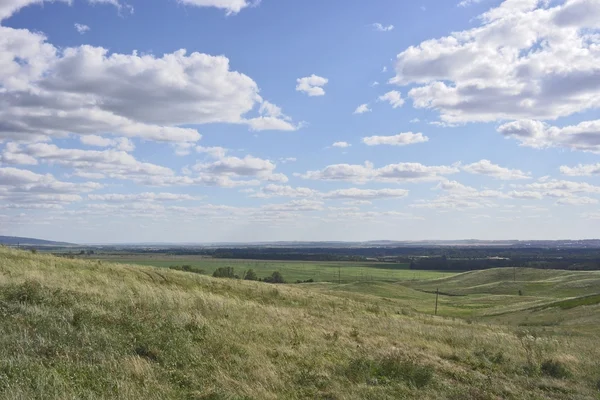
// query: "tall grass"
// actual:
[[72, 329]]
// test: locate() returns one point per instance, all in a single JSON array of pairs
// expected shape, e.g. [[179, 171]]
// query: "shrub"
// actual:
[[555, 369], [250, 275], [276, 277]]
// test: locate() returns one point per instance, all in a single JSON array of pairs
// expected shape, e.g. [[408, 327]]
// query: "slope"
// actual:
[[89, 329]]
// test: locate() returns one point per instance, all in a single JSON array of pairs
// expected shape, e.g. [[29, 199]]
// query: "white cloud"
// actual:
[[284, 191], [342, 145], [366, 194], [467, 3], [486, 167], [358, 203], [285, 160], [235, 167], [87, 90], [577, 201], [122, 144], [401, 139], [295, 206], [312, 85], [81, 28], [581, 170], [231, 6], [9, 7], [19, 187], [141, 197], [402, 172], [584, 136], [363, 108], [381, 28], [527, 60], [393, 97], [216, 151], [375, 83]]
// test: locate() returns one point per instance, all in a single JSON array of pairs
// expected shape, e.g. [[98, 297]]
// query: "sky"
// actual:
[[241, 120]]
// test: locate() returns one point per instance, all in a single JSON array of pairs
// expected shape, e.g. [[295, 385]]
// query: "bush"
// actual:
[[555, 369], [276, 277], [250, 275], [224, 272]]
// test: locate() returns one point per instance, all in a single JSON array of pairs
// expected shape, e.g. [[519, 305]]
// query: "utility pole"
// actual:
[[515, 273], [339, 275], [437, 293]]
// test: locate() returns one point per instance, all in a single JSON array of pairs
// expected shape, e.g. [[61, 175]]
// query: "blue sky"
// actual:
[[299, 120]]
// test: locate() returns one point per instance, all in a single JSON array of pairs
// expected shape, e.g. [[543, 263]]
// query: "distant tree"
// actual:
[[250, 275], [275, 277], [224, 272]]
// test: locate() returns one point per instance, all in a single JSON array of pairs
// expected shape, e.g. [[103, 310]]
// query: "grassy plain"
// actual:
[[291, 270], [89, 329]]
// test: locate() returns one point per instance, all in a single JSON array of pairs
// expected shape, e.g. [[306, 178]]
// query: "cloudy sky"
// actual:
[[245, 120]]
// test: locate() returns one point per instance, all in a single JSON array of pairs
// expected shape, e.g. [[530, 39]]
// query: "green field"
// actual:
[[91, 329], [291, 270]]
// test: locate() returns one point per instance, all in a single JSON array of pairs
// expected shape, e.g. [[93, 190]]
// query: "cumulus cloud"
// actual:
[[382, 28], [123, 144], [393, 97], [363, 108], [234, 167], [81, 28], [401, 139], [230, 6], [284, 191], [141, 197], [402, 172], [486, 167], [467, 3], [366, 194], [577, 201], [526, 60], [312, 85], [584, 136], [19, 187], [342, 145], [295, 206], [87, 90], [581, 170]]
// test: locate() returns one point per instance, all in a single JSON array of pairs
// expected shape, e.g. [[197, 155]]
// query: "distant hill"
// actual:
[[15, 240]]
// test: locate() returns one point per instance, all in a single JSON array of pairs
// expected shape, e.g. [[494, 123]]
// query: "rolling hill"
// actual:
[[24, 241], [91, 329]]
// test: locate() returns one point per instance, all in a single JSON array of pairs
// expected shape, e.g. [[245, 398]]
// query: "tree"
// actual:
[[224, 272], [276, 277], [250, 275]]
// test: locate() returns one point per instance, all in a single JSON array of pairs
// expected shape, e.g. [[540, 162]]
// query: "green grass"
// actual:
[[291, 270], [84, 329]]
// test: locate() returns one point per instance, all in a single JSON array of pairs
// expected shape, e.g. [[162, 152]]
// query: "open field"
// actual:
[[319, 271], [87, 329]]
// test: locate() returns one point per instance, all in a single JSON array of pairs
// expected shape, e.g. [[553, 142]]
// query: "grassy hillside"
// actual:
[[73, 329]]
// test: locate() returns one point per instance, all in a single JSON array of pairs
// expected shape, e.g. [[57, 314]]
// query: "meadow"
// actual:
[[292, 270], [93, 329]]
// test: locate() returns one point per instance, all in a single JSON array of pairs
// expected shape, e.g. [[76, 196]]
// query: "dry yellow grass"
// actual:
[[73, 329]]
